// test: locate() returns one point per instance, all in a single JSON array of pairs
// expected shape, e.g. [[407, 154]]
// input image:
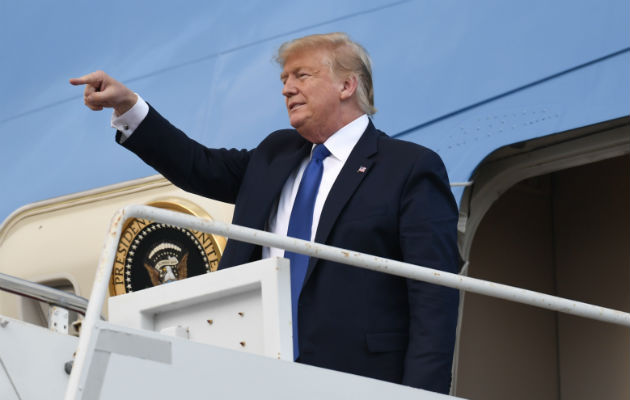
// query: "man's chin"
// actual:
[[302, 127], [296, 123]]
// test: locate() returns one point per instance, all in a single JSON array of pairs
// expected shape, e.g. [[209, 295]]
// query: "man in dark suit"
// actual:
[[372, 194]]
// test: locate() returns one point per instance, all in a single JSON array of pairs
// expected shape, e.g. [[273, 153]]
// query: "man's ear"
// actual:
[[349, 87]]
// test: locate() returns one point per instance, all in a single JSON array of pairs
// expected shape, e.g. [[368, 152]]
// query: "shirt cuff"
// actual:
[[129, 121]]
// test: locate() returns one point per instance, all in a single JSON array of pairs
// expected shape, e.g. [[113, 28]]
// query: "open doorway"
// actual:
[[567, 233]]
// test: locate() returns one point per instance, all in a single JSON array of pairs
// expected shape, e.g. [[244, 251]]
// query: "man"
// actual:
[[338, 181]]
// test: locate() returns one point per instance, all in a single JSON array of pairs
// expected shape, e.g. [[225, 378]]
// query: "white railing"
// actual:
[[317, 250], [56, 297]]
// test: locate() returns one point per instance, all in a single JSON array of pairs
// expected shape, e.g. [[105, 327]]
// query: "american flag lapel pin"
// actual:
[[361, 169]]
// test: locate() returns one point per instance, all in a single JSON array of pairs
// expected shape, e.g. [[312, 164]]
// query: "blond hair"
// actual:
[[348, 58]]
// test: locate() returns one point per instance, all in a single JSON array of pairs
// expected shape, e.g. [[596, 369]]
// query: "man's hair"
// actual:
[[348, 58]]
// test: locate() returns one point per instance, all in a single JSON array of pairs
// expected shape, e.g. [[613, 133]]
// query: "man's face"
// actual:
[[313, 95]]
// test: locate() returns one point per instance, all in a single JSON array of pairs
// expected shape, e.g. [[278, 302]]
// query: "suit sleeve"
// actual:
[[213, 173], [428, 235]]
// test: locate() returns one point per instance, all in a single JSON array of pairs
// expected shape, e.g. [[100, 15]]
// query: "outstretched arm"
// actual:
[[191, 166], [103, 91]]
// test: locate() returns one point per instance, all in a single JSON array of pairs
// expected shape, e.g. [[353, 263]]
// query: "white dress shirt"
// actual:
[[340, 145], [129, 121]]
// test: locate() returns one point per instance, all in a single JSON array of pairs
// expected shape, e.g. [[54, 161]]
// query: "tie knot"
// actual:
[[320, 152]]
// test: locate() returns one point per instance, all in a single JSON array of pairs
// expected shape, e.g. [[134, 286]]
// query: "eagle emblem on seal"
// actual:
[[151, 254]]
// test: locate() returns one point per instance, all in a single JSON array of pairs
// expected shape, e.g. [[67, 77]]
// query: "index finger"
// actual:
[[93, 79]]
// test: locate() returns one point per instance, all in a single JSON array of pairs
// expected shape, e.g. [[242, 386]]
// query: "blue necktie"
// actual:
[[300, 225]]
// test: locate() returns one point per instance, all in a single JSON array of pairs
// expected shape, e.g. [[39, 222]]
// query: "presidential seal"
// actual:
[[151, 254]]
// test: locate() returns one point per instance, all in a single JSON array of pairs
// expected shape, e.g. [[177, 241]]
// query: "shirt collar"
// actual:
[[341, 143]]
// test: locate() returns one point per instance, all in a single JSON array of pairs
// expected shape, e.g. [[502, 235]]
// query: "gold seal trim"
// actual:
[[211, 245]]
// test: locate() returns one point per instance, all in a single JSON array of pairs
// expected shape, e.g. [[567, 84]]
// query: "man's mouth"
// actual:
[[293, 106]]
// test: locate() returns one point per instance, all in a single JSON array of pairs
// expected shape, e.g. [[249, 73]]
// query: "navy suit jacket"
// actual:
[[399, 207]]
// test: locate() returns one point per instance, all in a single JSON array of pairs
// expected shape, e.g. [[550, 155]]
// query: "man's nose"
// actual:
[[289, 88]]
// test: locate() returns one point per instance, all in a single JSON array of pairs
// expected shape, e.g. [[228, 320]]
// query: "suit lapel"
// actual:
[[357, 166], [270, 186], [260, 198]]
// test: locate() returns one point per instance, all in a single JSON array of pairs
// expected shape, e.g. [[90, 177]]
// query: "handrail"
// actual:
[[22, 287], [312, 249]]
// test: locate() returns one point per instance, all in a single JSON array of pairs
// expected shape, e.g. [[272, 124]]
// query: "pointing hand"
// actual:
[[103, 91]]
